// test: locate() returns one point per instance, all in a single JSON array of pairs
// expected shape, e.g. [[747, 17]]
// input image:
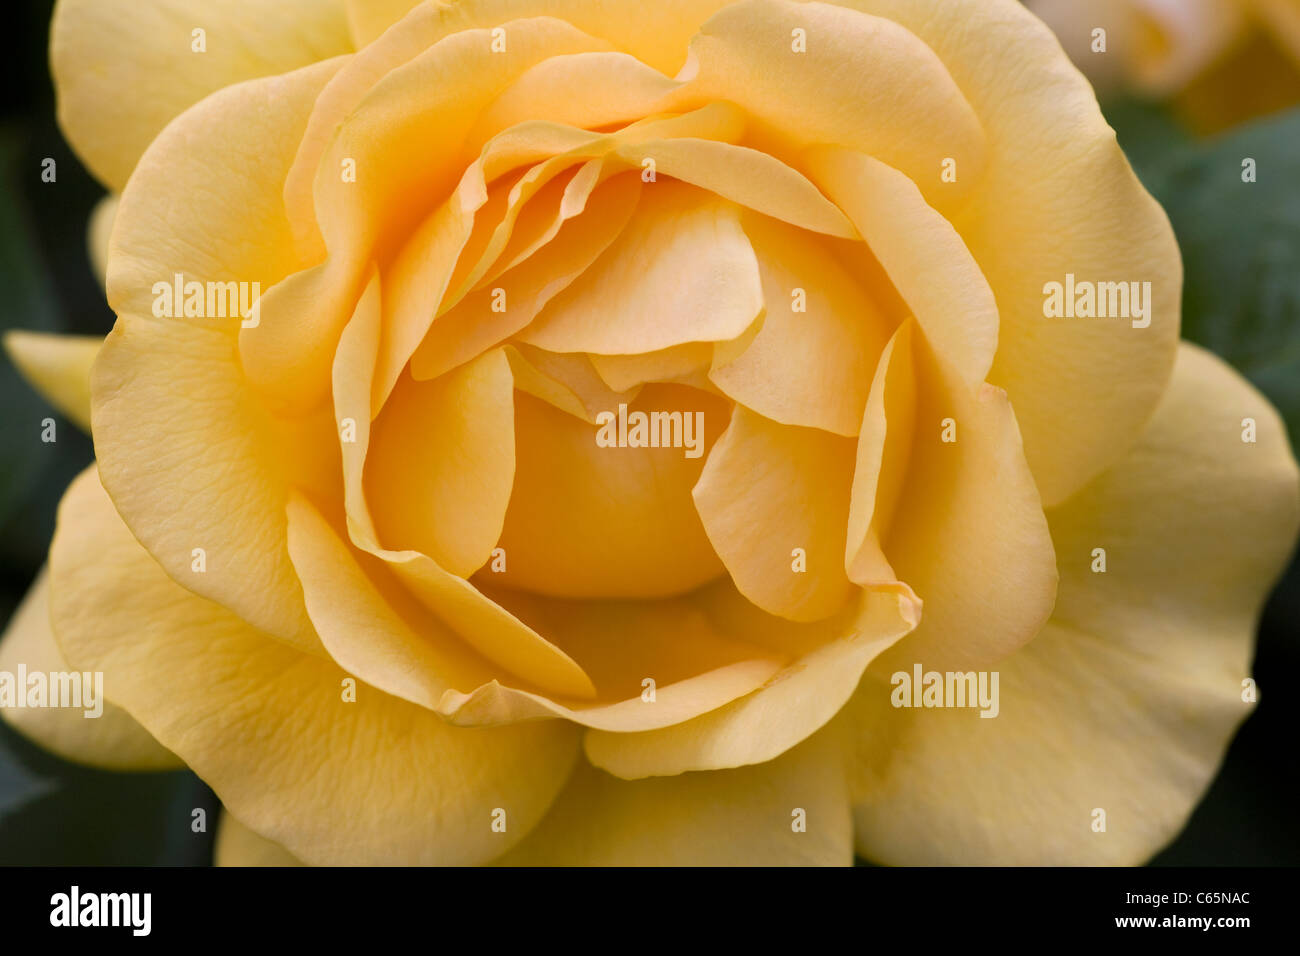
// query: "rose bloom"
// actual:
[[374, 562], [1221, 62]]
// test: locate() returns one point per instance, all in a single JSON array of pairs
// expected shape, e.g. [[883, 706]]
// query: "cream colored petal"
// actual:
[[1127, 700], [774, 500], [96, 732], [98, 232], [57, 366], [796, 702], [682, 271], [370, 781], [1057, 197], [107, 59], [791, 811], [368, 19], [811, 360], [237, 845], [899, 103]]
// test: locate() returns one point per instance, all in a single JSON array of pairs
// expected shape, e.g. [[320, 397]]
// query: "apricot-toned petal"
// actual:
[[57, 366], [790, 811], [374, 629], [98, 232], [654, 663], [269, 727], [236, 845], [622, 372], [95, 731], [568, 381], [442, 461], [481, 623], [206, 200], [899, 104], [682, 271], [810, 362], [968, 534], [108, 57], [492, 314], [196, 468], [746, 176], [588, 519], [1127, 700], [408, 144], [773, 499], [797, 701], [589, 90], [1056, 198], [883, 456], [922, 254]]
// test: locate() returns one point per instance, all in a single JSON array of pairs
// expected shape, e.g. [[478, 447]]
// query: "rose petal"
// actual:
[[810, 367], [107, 58], [745, 817], [111, 740], [773, 495], [798, 700], [299, 743], [1127, 700], [57, 366], [682, 271]]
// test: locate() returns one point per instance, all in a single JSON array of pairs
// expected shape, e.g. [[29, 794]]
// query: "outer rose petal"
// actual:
[[113, 740], [239, 846], [107, 58], [98, 231], [1057, 196], [191, 458], [57, 366], [1128, 698], [796, 702], [266, 726], [741, 817], [368, 19]]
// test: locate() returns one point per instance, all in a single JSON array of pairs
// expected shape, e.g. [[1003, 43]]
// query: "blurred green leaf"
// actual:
[[28, 303], [18, 785], [1240, 241], [56, 813]]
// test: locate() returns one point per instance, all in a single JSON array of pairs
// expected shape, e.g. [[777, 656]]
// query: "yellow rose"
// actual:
[[383, 555], [1220, 61]]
